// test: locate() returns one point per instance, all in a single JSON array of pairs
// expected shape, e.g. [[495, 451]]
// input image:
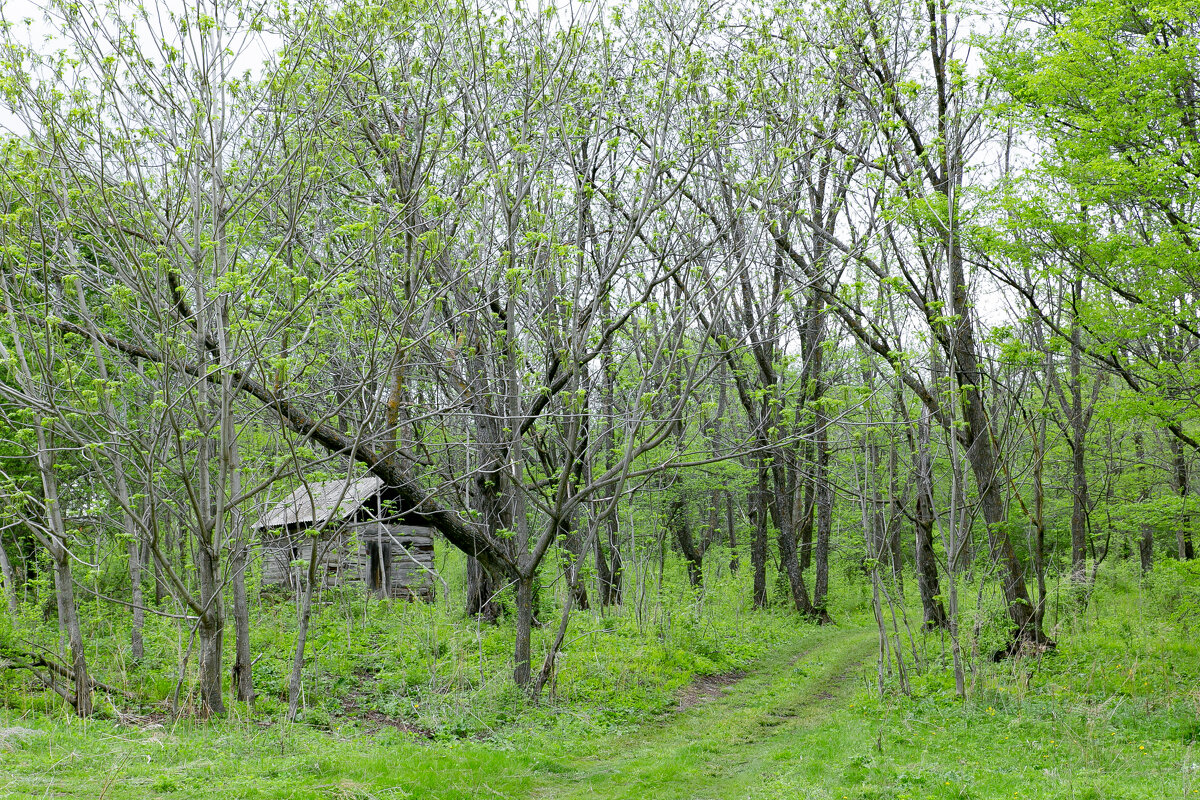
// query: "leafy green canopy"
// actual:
[[1110, 93]]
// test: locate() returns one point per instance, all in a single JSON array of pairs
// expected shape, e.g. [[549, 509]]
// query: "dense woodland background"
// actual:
[[684, 324]]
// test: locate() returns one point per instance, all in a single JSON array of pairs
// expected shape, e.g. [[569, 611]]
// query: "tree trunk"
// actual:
[[1183, 533], [10, 579], [824, 511], [787, 554], [804, 515], [877, 541], [957, 334], [481, 592], [181, 541], [136, 647], [954, 535], [806, 539], [211, 631], [617, 563], [1146, 540], [822, 489], [681, 531], [1079, 504], [733, 550], [64, 586], [609, 569], [613, 572], [604, 582], [712, 533], [521, 668], [895, 549], [1012, 576], [1039, 521], [241, 676], [490, 499], [160, 586], [783, 510], [981, 455], [68, 620], [295, 680], [758, 545], [1146, 548], [1079, 484], [571, 544], [895, 504], [927, 572]]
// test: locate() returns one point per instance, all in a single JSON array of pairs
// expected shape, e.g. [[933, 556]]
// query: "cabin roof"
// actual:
[[316, 503]]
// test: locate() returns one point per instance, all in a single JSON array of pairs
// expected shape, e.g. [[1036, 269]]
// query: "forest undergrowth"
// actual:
[[411, 701]]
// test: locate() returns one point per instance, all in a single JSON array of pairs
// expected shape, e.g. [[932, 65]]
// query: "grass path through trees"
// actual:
[[732, 744]]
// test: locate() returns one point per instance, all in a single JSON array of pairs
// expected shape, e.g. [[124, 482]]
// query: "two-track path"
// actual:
[[724, 746]]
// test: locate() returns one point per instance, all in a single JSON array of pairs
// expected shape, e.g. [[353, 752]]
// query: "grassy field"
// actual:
[[1114, 713]]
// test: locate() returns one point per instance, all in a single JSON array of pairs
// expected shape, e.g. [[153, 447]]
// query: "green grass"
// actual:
[[235, 760], [1114, 713], [429, 667], [807, 722], [725, 748]]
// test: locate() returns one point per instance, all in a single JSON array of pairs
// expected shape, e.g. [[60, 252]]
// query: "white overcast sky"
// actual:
[[30, 26]]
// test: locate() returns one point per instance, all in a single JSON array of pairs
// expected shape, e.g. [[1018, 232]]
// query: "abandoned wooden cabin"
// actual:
[[360, 540]]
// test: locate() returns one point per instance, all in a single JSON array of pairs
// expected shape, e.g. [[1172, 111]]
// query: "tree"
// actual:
[[158, 177], [1111, 92], [926, 136]]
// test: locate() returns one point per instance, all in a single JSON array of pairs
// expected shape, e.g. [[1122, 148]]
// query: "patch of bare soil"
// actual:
[[707, 686], [371, 717], [833, 684]]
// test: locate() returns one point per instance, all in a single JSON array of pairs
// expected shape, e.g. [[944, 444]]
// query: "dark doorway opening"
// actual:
[[379, 562]]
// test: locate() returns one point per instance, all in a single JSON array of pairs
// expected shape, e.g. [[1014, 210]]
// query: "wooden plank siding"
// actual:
[[404, 553]]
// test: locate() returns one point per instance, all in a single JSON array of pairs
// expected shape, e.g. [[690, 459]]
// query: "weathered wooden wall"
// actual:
[[411, 570], [344, 558]]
